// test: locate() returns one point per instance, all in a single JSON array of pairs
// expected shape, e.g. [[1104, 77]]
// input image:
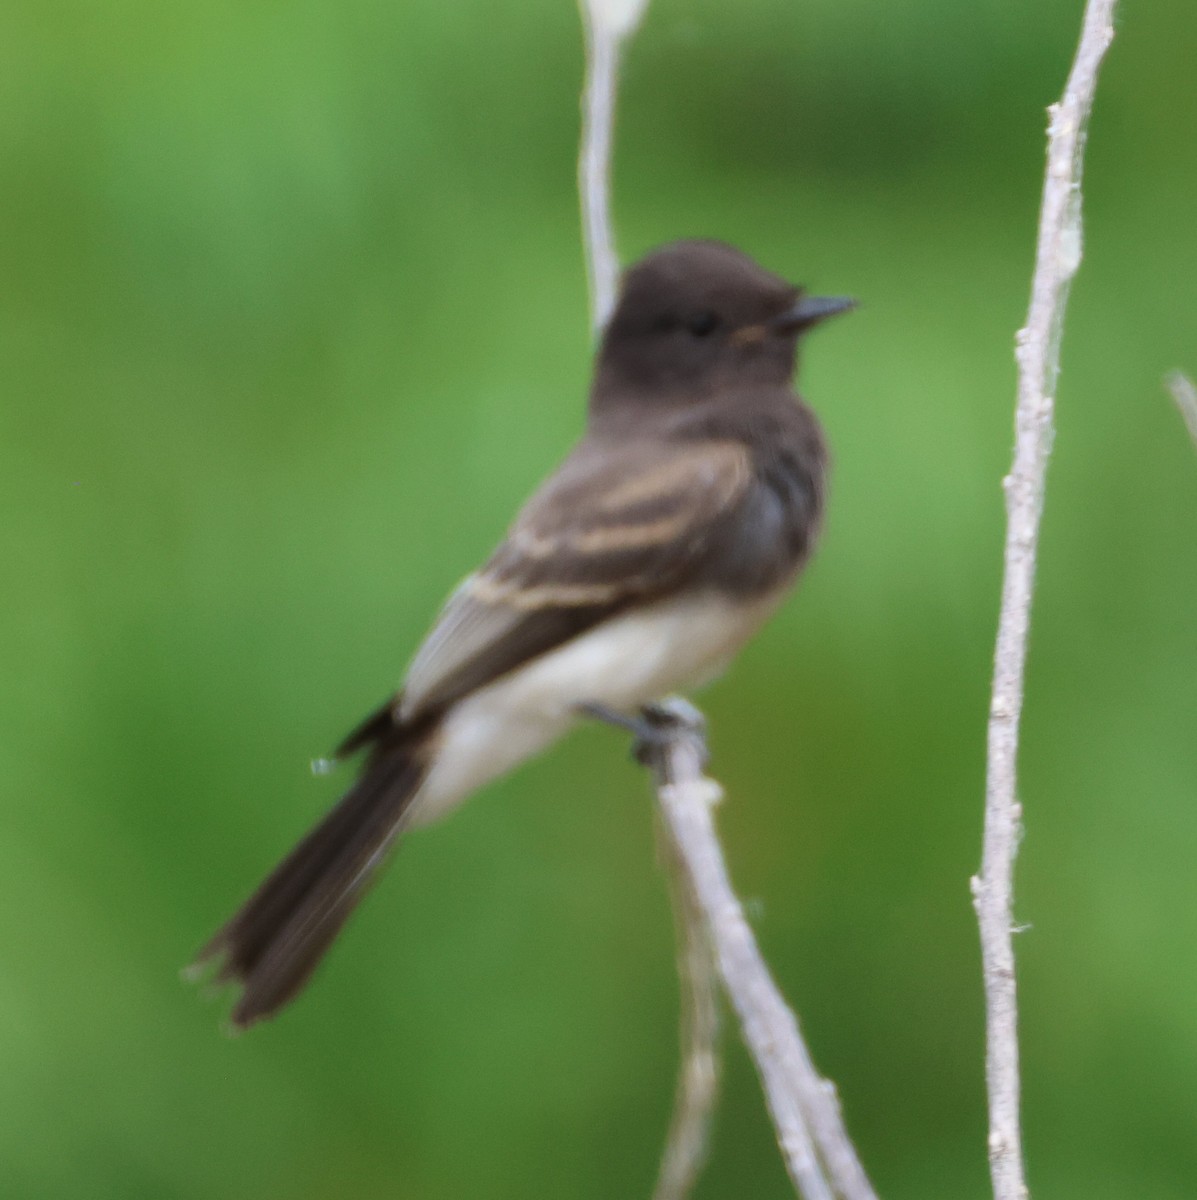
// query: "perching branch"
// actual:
[[1057, 257], [1185, 395], [818, 1153]]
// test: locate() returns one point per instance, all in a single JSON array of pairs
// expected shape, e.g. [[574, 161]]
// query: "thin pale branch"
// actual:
[[1057, 257], [1185, 395], [818, 1153]]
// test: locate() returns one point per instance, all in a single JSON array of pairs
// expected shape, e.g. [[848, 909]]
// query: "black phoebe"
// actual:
[[657, 548]]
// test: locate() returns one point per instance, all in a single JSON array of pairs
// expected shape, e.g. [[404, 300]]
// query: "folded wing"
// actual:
[[608, 529]]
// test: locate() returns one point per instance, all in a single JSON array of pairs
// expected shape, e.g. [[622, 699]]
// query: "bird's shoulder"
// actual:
[[618, 493]]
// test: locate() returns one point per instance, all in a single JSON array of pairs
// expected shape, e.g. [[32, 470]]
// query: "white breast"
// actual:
[[624, 663]]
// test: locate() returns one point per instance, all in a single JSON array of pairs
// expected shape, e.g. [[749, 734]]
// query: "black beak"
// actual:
[[810, 310]]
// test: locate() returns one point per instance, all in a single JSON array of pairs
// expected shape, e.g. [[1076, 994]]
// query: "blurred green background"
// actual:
[[293, 315]]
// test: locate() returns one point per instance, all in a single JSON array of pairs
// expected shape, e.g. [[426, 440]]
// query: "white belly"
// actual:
[[624, 664]]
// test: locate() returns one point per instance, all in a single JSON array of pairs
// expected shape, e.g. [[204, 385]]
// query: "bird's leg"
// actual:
[[656, 726], [640, 727]]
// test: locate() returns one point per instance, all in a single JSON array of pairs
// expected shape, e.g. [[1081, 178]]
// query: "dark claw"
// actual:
[[668, 720], [677, 713]]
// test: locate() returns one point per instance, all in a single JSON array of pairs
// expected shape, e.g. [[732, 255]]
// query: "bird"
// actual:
[[664, 540]]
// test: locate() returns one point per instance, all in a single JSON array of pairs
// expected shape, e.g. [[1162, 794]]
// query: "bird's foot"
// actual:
[[656, 726]]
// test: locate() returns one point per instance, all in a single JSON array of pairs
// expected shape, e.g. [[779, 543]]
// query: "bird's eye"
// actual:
[[703, 324]]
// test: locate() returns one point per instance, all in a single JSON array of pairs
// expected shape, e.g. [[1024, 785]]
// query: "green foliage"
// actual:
[[293, 316]]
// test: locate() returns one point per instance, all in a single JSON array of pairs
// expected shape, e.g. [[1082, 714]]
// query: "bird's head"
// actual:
[[697, 315]]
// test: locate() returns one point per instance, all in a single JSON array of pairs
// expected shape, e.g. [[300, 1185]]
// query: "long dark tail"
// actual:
[[275, 941]]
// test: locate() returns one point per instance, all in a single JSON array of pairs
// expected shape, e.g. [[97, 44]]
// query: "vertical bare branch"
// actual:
[[608, 23], [1185, 395], [1038, 353]]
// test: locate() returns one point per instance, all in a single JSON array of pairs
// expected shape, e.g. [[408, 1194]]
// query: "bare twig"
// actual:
[[1185, 395], [1038, 352], [818, 1153]]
